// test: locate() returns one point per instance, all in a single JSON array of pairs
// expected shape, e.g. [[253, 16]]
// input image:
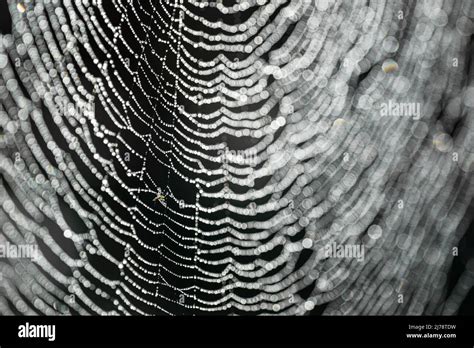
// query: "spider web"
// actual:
[[185, 157]]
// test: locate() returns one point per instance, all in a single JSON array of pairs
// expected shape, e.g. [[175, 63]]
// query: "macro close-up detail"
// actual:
[[263, 157]]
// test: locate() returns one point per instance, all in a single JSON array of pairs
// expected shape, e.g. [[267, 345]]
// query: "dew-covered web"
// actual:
[[186, 157]]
